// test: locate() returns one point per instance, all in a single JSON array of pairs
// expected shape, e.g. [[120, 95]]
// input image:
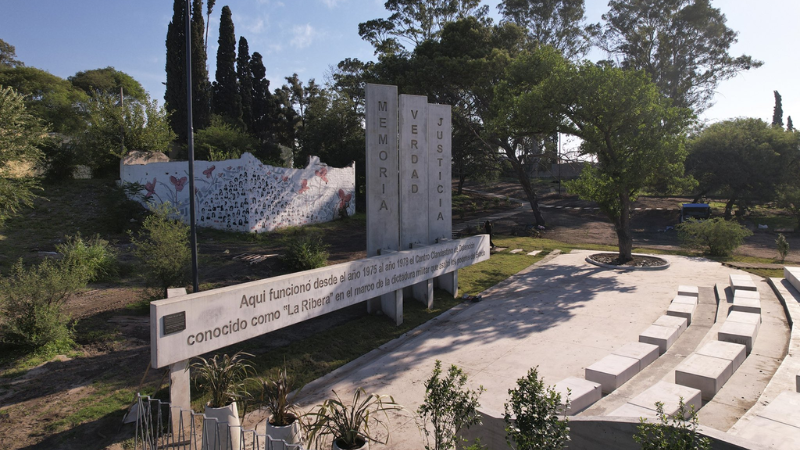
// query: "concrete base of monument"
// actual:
[[561, 315]]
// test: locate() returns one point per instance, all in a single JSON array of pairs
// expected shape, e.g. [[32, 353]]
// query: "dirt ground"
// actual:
[[36, 406]]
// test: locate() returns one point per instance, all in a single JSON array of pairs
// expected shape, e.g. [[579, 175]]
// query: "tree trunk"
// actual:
[[698, 197], [525, 181], [461, 179], [729, 208], [623, 228]]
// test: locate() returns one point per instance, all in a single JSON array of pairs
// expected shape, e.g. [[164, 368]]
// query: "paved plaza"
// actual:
[[563, 315]]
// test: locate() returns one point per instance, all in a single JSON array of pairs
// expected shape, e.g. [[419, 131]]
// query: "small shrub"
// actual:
[[305, 253], [717, 236], [447, 408], [783, 246], [223, 378], [473, 206], [94, 256], [496, 201], [671, 433], [162, 246], [59, 162], [120, 209], [531, 415], [31, 300]]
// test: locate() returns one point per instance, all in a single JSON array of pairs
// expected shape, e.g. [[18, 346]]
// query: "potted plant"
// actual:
[[276, 395], [224, 379], [350, 426]]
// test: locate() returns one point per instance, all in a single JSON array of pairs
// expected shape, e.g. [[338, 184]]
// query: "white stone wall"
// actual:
[[246, 195]]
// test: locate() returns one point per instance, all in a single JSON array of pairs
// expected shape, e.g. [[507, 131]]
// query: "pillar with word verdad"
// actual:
[[409, 196]]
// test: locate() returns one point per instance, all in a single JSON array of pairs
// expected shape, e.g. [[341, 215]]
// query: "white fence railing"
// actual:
[[160, 426]]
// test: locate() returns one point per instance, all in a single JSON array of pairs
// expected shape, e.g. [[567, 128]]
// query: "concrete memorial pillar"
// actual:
[[413, 150], [383, 204], [179, 385], [440, 192]]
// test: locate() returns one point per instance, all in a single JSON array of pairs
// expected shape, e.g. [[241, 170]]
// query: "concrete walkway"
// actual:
[[561, 315]]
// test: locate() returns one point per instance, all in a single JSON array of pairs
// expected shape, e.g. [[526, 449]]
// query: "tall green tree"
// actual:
[[462, 70], [209, 9], [244, 76], [789, 124], [557, 23], [114, 130], [8, 56], [21, 135], [201, 87], [227, 101], [681, 44], [263, 103], [108, 81], [627, 127], [175, 90], [48, 97], [742, 160], [415, 21], [777, 111]]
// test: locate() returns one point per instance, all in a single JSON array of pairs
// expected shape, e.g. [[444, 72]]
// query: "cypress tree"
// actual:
[[175, 92], [201, 89], [789, 124], [245, 77], [777, 112], [262, 99], [227, 102]]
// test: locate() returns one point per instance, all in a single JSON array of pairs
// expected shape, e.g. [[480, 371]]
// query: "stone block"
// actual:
[[671, 321], [747, 294], [792, 274], [685, 299], [645, 353], [689, 291], [670, 395], [739, 333], [735, 353], [745, 317], [684, 310], [629, 410], [702, 372], [582, 393], [612, 371], [746, 304], [663, 337], [742, 282]]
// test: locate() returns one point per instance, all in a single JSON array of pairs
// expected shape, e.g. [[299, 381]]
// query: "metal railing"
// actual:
[[159, 426]]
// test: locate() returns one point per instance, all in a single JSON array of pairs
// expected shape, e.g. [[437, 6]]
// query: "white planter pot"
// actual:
[[289, 433], [363, 447], [228, 429]]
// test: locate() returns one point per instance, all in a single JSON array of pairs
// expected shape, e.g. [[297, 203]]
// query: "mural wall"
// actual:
[[246, 195]]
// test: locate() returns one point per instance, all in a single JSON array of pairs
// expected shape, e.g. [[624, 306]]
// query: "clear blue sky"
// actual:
[[307, 36]]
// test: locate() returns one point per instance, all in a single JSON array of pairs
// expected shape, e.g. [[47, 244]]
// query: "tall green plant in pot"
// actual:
[[351, 426], [276, 395], [224, 378]]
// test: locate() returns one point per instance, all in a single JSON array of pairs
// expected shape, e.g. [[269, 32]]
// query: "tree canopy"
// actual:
[[681, 44], [47, 97], [21, 134], [108, 81], [8, 55], [742, 160], [557, 23]]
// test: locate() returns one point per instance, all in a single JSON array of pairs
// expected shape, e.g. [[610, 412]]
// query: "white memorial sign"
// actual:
[[195, 324]]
